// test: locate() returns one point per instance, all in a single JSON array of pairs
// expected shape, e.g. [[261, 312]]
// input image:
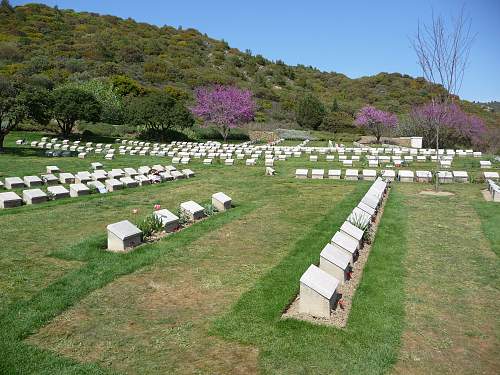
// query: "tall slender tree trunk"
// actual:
[[437, 158], [2, 138]]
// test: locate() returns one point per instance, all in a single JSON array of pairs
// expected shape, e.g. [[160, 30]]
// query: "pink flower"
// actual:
[[157, 207]]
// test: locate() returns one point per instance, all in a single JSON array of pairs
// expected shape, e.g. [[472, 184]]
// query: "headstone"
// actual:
[[406, 176], [192, 210], [389, 175], [188, 173], [116, 173], [301, 173], [334, 174], [10, 199], [347, 244], [101, 188], [13, 183], [369, 174], [58, 192], [76, 190], [170, 221], [66, 178], [250, 162], [123, 236], [445, 177], [460, 176], [351, 174], [177, 175], [318, 292], [129, 182], [31, 181], [113, 184], [318, 174], [52, 169], [99, 175], [491, 175], [144, 169], [423, 176], [485, 164], [130, 172], [83, 177], [221, 201], [34, 196], [335, 262], [352, 230], [369, 210]]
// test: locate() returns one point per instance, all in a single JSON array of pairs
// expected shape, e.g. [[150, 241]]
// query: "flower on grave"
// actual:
[[135, 210], [157, 207], [342, 304]]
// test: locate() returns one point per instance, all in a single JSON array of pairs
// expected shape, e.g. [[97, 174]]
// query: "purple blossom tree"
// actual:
[[449, 122], [375, 121], [225, 107]]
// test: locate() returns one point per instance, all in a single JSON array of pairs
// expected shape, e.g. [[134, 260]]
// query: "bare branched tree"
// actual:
[[443, 54]]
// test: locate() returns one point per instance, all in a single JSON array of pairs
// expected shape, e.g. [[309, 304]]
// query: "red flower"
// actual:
[[157, 207]]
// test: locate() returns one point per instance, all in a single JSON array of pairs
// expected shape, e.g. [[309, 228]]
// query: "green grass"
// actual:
[[209, 299], [370, 342]]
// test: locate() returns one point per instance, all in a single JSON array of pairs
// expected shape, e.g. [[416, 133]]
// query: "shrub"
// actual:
[[150, 225], [209, 210]]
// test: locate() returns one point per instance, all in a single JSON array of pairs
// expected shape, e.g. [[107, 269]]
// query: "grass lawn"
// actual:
[[208, 299]]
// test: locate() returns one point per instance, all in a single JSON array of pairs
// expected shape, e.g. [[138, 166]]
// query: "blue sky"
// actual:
[[356, 38]]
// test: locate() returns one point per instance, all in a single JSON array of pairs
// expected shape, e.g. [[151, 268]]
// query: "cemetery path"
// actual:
[[452, 291]]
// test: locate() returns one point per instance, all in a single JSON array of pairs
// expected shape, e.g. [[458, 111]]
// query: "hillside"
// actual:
[[52, 46]]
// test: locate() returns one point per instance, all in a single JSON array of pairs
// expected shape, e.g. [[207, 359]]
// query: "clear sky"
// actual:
[[353, 37]]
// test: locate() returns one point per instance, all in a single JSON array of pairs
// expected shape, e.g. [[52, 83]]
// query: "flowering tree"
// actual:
[[454, 126], [375, 120], [225, 107]]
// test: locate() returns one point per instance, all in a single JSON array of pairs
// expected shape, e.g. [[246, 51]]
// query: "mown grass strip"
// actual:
[[489, 213], [371, 340], [26, 317]]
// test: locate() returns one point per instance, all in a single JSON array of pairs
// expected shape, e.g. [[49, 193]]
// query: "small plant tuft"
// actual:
[[150, 225]]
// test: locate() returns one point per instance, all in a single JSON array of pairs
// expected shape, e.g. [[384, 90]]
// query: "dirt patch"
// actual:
[[437, 193], [340, 315], [487, 195]]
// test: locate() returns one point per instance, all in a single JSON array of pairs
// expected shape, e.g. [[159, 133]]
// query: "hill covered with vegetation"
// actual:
[[52, 47]]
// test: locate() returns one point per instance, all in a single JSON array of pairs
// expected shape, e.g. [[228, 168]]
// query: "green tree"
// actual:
[[125, 86], [157, 113], [38, 103], [71, 105], [12, 108], [337, 121], [309, 112], [111, 103]]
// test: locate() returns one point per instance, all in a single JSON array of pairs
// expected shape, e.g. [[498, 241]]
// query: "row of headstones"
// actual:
[[141, 146], [401, 175], [373, 161], [224, 151], [318, 285], [494, 190], [124, 236], [82, 183]]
